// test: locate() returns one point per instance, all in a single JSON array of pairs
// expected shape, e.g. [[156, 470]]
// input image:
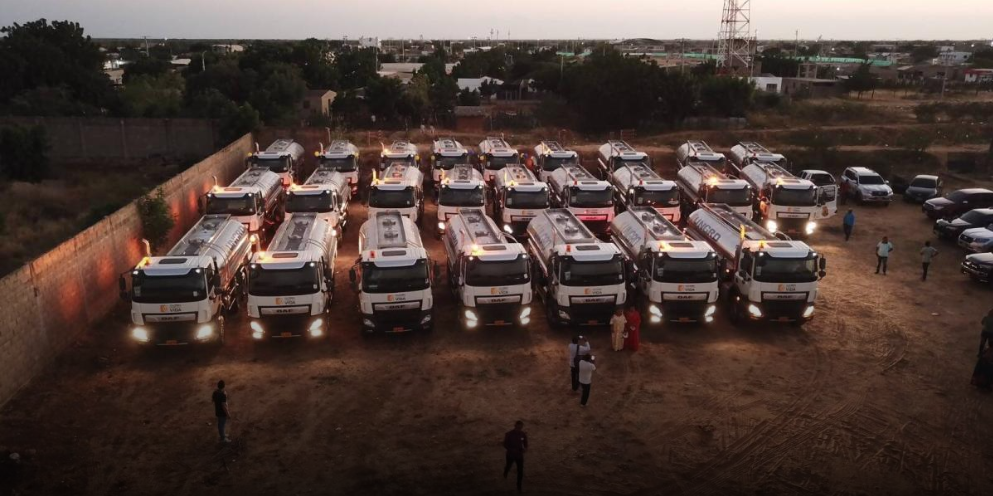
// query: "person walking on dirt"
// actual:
[[516, 444], [618, 325], [586, 368], [220, 399], [633, 339], [848, 223], [883, 250], [579, 348], [927, 254]]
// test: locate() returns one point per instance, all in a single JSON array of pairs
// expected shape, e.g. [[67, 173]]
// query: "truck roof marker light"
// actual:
[[761, 244], [712, 181], [568, 248], [372, 254], [779, 182], [663, 245], [476, 250], [261, 255], [742, 231]]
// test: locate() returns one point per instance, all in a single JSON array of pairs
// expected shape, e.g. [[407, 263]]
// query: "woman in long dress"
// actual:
[[633, 317], [617, 326]]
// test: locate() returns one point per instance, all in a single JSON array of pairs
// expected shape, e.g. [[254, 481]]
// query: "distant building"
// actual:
[[473, 84], [978, 75], [116, 76], [180, 62], [227, 48], [318, 102], [953, 58], [769, 84], [368, 42], [812, 87]]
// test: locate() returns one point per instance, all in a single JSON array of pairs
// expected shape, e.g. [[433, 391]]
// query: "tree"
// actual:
[[469, 98], [610, 91], [443, 96], [279, 93], [57, 55], [24, 153], [922, 53], [145, 66], [778, 64], [313, 56], [154, 96], [726, 96], [356, 67], [383, 96], [156, 218], [861, 80]]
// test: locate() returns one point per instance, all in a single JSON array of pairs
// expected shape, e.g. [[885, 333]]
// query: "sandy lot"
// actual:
[[872, 397]]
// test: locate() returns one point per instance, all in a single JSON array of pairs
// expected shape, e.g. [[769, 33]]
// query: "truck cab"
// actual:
[[637, 185], [326, 193], [341, 156], [393, 276], [579, 278], [675, 278], [255, 199], [290, 286], [446, 153], [615, 154], [827, 191], [549, 156], [399, 151], [494, 155], [517, 197], [589, 199], [284, 157], [786, 203], [461, 187], [766, 277], [399, 188], [179, 298], [489, 272]]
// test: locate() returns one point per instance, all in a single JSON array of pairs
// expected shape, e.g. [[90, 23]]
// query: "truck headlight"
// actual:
[[711, 310], [655, 314], [525, 313], [205, 332], [771, 225], [507, 229], [139, 334], [471, 316], [368, 323], [810, 227], [426, 319], [808, 312], [257, 331], [441, 226], [563, 315], [754, 310], [316, 328]]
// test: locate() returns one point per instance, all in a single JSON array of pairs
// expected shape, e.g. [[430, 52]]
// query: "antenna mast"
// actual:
[[734, 50]]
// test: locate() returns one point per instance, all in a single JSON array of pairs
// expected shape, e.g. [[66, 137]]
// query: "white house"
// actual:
[[473, 84], [769, 84]]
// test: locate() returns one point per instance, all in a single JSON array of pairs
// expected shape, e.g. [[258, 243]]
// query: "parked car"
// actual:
[[866, 186], [977, 239], [979, 266], [922, 188], [950, 229], [957, 202]]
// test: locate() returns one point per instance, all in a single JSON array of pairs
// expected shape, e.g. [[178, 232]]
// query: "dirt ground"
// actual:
[[871, 397]]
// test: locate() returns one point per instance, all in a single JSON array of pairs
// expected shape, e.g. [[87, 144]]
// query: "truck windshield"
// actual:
[[278, 165], [794, 197], [493, 273], [586, 198], [586, 273], [338, 164], [322, 202], [447, 163], [395, 279], [527, 199], [770, 269], [454, 197], [733, 197], [284, 282], [242, 205], [686, 270], [552, 163], [169, 289], [497, 163], [392, 198], [660, 199]]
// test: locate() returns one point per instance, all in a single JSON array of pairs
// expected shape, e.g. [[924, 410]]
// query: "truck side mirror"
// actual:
[[352, 276], [123, 285], [821, 274], [822, 264]]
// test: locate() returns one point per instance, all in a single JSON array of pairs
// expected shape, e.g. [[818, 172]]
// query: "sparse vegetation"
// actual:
[[156, 218], [24, 153]]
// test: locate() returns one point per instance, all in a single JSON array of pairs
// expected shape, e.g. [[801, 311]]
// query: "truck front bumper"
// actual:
[[681, 312], [288, 327], [176, 334], [779, 311], [397, 321]]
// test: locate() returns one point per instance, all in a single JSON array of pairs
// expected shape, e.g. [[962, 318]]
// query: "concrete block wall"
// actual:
[[50, 301], [95, 138]]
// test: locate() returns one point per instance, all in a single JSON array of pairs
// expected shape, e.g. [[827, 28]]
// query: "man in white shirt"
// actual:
[[883, 250], [579, 348], [927, 254], [586, 368]]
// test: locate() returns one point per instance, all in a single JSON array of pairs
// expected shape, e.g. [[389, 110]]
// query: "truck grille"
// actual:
[[684, 310], [492, 312], [783, 309], [591, 313]]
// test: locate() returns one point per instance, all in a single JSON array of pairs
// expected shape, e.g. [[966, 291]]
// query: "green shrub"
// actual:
[[24, 153], [156, 218]]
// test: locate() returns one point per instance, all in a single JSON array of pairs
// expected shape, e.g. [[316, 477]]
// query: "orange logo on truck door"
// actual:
[[164, 308], [389, 297]]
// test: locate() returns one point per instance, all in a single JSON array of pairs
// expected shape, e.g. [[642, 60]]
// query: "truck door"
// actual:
[[643, 276], [744, 273]]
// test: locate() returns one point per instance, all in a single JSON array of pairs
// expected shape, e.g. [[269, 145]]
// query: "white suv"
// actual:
[[866, 186]]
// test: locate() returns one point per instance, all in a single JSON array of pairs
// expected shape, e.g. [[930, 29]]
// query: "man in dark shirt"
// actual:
[[220, 399], [516, 443]]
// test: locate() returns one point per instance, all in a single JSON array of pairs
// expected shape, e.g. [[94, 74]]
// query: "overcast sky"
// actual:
[[832, 19]]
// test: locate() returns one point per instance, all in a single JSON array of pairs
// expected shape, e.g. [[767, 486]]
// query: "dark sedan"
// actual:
[[950, 229], [958, 202]]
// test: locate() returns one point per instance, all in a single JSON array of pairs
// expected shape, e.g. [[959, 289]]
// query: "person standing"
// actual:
[[586, 369], [986, 336], [633, 340], [927, 254], [220, 399], [618, 324], [883, 250], [516, 444], [843, 188], [579, 347], [848, 223]]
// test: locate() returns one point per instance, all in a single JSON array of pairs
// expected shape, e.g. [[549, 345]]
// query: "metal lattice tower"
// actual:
[[734, 42]]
